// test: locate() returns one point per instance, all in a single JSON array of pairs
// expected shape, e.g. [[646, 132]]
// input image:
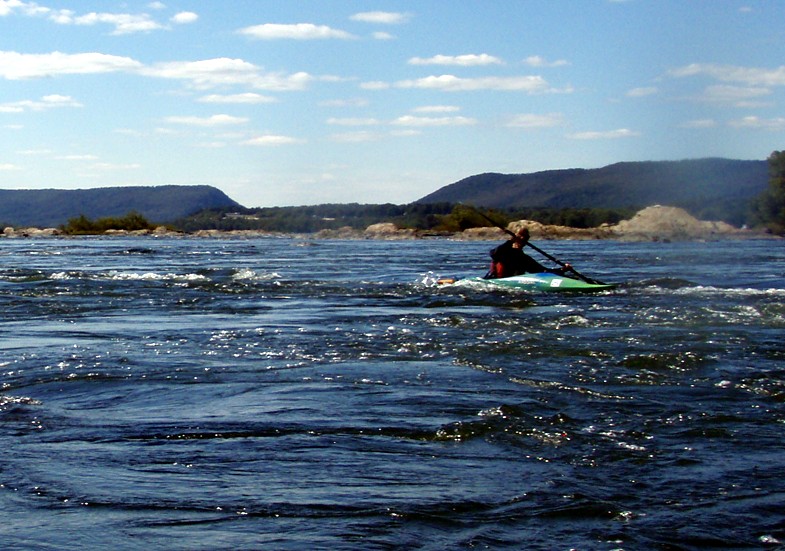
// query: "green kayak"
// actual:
[[544, 282]]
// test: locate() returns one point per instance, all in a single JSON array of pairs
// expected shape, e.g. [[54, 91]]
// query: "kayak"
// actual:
[[546, 282]]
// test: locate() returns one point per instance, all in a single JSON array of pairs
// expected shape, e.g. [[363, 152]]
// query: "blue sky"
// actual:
[[305, 102]]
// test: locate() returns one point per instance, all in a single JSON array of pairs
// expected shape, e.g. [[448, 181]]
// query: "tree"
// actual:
[[769, 207]]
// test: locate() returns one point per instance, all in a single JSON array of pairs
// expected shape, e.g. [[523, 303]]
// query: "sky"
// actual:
[[301, 102]]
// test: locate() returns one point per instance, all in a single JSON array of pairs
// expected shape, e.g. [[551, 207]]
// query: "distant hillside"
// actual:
[[159, 204], [718, 188]]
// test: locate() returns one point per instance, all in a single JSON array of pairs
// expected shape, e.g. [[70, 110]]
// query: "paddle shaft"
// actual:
[[539, 250]]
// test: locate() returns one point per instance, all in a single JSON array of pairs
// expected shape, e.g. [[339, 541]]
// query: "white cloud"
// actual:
[[466, 60], [31, 9], [115, 166], [437, 109], [46, 102], [353, 102], [604, 135], [375, 85], [209, 73], [86, 157], [699, 123], [360, 136], [411, 120], [381, 17], [741, 96], [16, 66], [451, 83], [353, 121], [9, 167], [184, 17], [247, 98], [271, 140], [776, 124], [124, 23], [642, 92], [537, 61], [380, 35], [532, 120], [752, 76], [297, 31], [214, 120]]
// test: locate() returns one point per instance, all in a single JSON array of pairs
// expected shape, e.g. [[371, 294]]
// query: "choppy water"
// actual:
[[282, 394]]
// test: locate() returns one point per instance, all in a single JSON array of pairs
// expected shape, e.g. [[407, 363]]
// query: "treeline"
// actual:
[[436, 217], [81, 225], [769, 208]]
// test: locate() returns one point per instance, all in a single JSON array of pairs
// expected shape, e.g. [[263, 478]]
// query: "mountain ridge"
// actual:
[[699, 185], [159, 204]]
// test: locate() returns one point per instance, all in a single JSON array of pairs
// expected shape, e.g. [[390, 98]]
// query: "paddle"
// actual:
[[539, 250]]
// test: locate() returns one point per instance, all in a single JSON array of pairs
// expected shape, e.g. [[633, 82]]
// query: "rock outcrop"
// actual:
[[30, 232], [671, 223], [656, 223]]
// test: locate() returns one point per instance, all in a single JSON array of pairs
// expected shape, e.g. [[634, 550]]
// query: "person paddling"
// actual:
[[508, 259]]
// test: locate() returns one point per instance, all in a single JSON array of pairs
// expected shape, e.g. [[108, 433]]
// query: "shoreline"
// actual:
[[652, 224]]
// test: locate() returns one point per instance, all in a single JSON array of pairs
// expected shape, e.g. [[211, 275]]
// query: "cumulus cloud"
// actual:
[[752, 76], [753, 122], [359, 136], [411, 120], [184, 18], [381, 17], [114, 166], [741, 96], [466, 60], [375, 85], [16, 66], [85, 157], [532, 120], [214, 120], [642, 92], [297, 31], [124, 23], [352, 102], [604, 135], [210, 73], [353, 121], [452, 83], [246, 98], [437, 109], [537, 61], [699, 123], [46, 102], [271, 140]]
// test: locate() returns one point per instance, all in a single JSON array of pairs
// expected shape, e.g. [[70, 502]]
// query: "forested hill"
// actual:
[[706, 187], [159, 204]]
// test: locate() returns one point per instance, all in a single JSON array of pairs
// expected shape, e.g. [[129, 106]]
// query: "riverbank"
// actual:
[[656, 223]]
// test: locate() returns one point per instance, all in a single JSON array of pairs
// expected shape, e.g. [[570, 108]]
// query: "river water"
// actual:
[[293, 394]]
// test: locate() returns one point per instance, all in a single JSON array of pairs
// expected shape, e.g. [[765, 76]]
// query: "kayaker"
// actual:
[[508, 259]]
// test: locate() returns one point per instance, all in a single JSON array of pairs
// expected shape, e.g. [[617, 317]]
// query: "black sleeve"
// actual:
[[502, 251], [532, 266]]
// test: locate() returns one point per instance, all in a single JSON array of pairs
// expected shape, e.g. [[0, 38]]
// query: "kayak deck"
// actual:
[[545, 282]]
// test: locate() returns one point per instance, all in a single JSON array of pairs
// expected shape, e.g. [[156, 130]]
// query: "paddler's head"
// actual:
[[521, 238]]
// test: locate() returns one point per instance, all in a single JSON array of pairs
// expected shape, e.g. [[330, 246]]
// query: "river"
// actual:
[[284, 393]]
